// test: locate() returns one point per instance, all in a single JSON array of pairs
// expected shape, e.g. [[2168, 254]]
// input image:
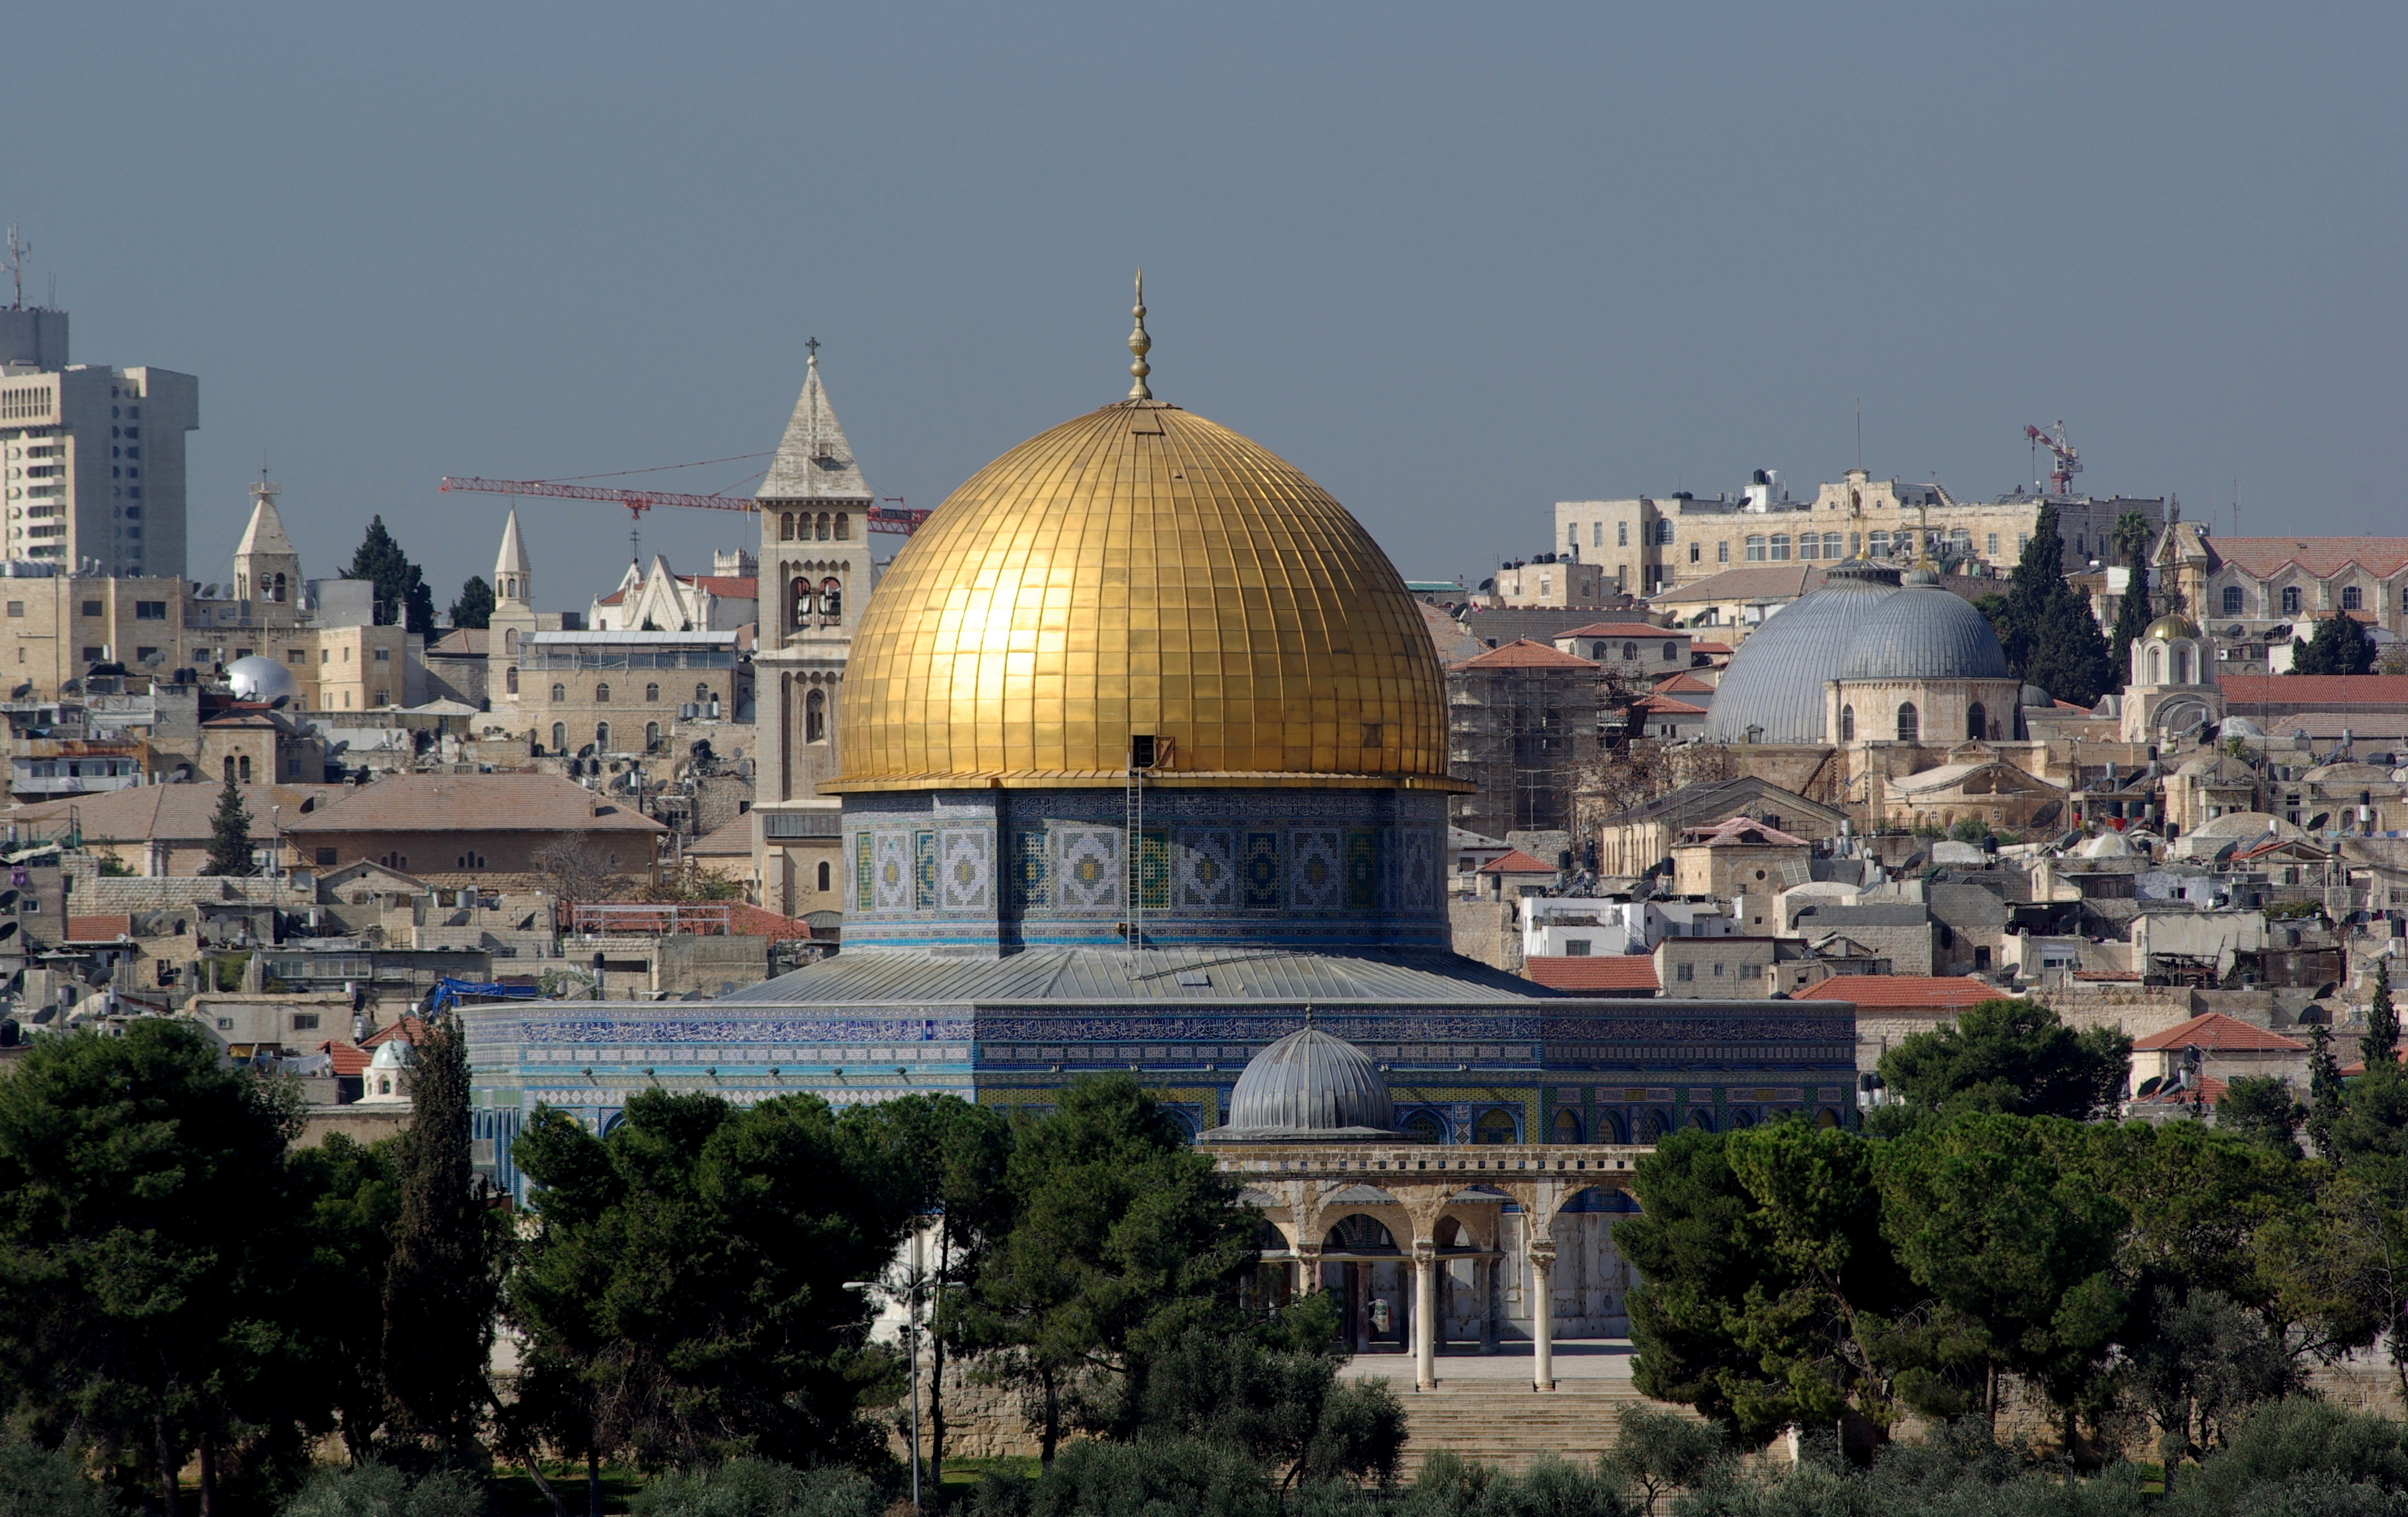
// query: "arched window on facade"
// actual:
[[560, 738], [798, 602], [1495, 1125], [2156, 665], [702, 693], [602, 695], [1630, 651], [652, 737], [560, 693], [651, 694], [510, 680], [815, 716], [843, 526], [831, 598], [601, 736], [244, 768], [1910, 723], [1672, 652], [511, 641], [1977, 722], [824, 875], [785, 527], [2232, 600], [229, 767], [1566, 1128], [825, 527], [2182, 666], [1848, 724]]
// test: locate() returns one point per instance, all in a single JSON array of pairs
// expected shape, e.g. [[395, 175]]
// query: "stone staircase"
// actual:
[[1508, 1424]]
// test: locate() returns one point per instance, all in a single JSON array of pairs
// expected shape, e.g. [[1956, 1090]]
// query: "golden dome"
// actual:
[[1141, 570], [2172, 624]]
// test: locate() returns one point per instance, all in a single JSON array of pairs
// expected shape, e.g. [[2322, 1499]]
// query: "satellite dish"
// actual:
[[211, 593]]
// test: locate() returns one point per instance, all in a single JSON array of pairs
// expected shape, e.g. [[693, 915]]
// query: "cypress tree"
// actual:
[[229, 835], [442, 1289], [401, 593], [2381, 1042], [2133, 616], [475, 607], [2052, 640]]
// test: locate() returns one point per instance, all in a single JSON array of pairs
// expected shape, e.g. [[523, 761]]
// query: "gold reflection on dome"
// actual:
[[1140, 569]]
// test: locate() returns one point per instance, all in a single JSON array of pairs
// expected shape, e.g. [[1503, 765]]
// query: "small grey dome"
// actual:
[[260, 679], [1772, 693], [1309, 1084], [1925, 632], [2240, 726]]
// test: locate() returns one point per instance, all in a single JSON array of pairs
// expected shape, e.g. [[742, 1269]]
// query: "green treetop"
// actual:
[[401, 594], [2338, 646], [475, 607], [229, 833]]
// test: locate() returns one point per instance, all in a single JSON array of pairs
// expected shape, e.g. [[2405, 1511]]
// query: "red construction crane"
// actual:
[[2069, 463], [896, 517]]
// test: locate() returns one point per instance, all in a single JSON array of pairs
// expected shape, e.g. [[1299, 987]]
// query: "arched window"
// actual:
[[1779, 547], [1425, 1127], [785, 527], [560, 738], [815, 717], [823, 526], [245, 767], [831, 599], [652, 694], [1672, 652], [1700, 1119], [601, 736], [823, 875], [560, 693], [1848, 724], [2290, 600], [2351, 600], [1910, 724], [1609, 1128], [1495, 1125], [702, 693], [510, 642], [843, 526], [798, 602], [1566, 1128], [510, 680], [602, 695], [2232, 600], [1977, 722], [1630, 651], [2156, 665], [229, 767], [277, 595], [1596, 651], [1756, 547], [2182, 666]]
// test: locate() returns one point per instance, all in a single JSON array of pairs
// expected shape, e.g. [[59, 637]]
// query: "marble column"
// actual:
[[1484, 1288], [1425, 1316], [1543, 1316]]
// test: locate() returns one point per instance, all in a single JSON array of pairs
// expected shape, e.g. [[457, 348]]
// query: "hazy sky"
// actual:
[[1455, 262]]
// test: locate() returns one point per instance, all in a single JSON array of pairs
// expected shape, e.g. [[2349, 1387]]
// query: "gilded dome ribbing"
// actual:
[[1141, 570]]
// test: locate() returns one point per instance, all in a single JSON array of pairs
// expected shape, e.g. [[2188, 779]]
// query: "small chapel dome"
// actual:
[[2172, 624], [1309, 1085]]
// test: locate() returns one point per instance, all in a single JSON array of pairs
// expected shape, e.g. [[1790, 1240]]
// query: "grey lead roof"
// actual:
[[1775, 684], [1923, 634], [1309, 1082], [1119, 975]]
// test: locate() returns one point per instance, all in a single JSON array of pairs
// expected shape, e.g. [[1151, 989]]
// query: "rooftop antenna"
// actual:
[[18, 248], [1860, 432]]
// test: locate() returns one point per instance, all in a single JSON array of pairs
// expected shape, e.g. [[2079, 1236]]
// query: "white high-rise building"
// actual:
[[93, 456]]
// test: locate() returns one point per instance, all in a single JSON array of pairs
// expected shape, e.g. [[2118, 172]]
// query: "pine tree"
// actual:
[[442, 1288], [2338, 646], [401, 593], [2381, 1042], [229, 833], [475, 607]]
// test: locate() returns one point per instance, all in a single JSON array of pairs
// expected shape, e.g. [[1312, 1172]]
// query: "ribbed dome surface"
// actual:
[[1309, 1081], [1924, 633], [1775, 680], [1141, 570]]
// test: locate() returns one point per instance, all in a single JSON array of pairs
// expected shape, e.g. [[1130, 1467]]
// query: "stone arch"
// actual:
[[1700, 1120], [815, 716], [1425, 1127], [1611, 1128], [1359, 1232], [1827, 1117], [1910, 723], [1497, 1124], [1566, 1128], [1977, 722], [1848, 724], [1654, 1124], [1741, 1117]]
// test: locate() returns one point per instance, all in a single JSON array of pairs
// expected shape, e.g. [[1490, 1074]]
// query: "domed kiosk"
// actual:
[[1309, 1086]]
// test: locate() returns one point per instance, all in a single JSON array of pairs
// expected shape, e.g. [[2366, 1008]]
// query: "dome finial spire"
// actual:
[[1140, 344]]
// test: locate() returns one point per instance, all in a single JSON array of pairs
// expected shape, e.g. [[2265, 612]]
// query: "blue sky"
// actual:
[[1455, 262]]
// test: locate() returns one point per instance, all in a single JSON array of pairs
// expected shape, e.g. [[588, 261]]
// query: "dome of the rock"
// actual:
[[1141, 570]]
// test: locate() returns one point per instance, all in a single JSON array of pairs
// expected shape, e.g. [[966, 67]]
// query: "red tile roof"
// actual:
[[1593, 972], [2358, 1069], [1709, 648], [1683, 684], [2209, 1087], [1667, 706], [1514, 861], [105, 928], [729, 586], [754, 922], [2219, 1034], [1522, 653], [1946, 993], [349, 1058], [406, 1027], [1622, 629], [2307, 690], [2320, 557], [1740, 829]]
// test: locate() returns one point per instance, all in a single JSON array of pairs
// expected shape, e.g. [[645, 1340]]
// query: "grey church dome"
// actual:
[[1309, 1084], [1775, 680], [1925, 632]]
